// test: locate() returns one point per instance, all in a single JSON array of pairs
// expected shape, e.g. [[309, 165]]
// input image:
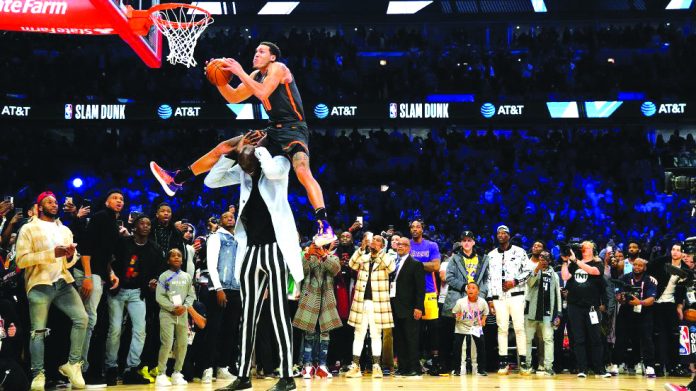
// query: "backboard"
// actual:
[[85, 17]]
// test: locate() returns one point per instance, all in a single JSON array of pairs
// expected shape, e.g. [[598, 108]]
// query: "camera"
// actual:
[[689, 246], [679, 183], [566, 247], [680, 176], [627, 290]]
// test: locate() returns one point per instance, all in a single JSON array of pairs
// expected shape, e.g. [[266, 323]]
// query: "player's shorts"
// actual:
[[288, 138]]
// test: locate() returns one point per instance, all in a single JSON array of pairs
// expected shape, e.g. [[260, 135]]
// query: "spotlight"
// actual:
[[77, 183]]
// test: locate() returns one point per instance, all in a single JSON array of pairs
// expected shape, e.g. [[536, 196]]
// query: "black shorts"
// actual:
[[288, 139]]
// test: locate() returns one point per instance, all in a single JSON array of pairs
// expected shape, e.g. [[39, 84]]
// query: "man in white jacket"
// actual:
[[508, 270], [267, 249]]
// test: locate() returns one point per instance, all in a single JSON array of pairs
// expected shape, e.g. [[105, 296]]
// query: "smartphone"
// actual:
[[86, 203], [119, 223], [359, 219], [68, 200], [19, 211], [9, 198]]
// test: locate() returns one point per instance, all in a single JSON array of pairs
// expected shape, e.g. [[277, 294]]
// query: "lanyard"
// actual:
[[476, 313], [166, 282], [642, 284]]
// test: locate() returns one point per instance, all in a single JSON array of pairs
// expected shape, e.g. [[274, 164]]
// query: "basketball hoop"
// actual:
[[182, 24]]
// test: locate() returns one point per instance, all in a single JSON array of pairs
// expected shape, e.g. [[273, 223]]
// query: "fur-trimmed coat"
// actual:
[[382, 266], [317, 300]]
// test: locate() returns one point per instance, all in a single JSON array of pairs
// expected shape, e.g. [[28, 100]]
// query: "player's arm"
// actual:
[[235, 95], [270, 83]]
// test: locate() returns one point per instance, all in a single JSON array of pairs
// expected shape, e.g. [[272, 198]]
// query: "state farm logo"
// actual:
[[33, 7]]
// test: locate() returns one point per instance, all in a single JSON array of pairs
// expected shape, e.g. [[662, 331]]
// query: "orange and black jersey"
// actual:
[[284, 104]]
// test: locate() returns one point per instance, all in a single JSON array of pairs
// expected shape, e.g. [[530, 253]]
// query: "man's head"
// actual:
[[227, 221], [403, 246], [467, 240], [537, 248], [266, 53], [503, 235], [164, 213], [395, 241], [47, 205], [212, 224], [416, 229], [248, 161], [114, 200], [544, 259], [142, 225], [639, 265], [346, 238], [377, 244], [676, 252], [633, 249]]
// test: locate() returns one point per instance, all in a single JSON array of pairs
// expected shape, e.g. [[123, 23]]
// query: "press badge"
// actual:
[[176, 300], [691, 295], [477, 331], [594, 319], [637, 308], [392, 289]]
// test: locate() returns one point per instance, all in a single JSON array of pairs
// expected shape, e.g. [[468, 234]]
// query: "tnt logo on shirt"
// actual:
[[581, 276]]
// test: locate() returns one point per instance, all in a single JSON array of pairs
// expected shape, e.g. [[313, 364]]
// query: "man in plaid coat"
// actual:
[[317, 305], [371, 304]]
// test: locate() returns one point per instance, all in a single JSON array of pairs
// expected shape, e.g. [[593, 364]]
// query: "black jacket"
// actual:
[[100, 241], [150, 266], [170, 238], [656, 268], [410, 289]]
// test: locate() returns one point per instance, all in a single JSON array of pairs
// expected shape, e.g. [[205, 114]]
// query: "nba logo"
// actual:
[[68, 111], [684, 345], [392, 110]]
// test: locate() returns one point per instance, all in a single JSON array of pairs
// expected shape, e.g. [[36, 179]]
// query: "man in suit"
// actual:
[[407, 293]]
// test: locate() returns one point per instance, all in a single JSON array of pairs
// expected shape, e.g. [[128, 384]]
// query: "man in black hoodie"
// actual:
[[667, 315], [98, 249], [167, 236]]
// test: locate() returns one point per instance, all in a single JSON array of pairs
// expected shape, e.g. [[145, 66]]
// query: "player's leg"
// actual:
[[300, 163]]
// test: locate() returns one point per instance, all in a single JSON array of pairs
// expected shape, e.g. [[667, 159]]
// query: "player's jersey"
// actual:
[[284, 104]]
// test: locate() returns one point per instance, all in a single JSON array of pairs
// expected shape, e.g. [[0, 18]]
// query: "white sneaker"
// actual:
[[323, 372], [354, 371], [178, 379], [613, 369], [650, 372], [582, 375], [308, 372], [224, 374], [162, 381], [605, 375], [376, 371], [74, 374], [639, 369], [38, 383], [207, 377]]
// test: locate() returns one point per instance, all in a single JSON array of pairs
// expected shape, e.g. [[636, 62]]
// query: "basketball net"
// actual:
[[182, 25]]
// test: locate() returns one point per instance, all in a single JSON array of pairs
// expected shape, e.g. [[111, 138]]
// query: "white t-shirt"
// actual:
[[668, 295], [473, 314], [52, 231], [443, 283]]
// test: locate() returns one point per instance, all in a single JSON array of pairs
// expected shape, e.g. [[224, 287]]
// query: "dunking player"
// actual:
[[274, 85]]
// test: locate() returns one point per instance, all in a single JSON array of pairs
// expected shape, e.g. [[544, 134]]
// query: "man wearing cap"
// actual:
[[508, 271], [46, 251], [101, 239], [464, 266]]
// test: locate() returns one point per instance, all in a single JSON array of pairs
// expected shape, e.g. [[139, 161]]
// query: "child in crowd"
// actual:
[[175, 294], [470, 312]]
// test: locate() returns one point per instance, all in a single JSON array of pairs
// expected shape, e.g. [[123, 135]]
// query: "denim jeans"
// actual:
[[316, 348], [532, 327], [90, 304], [130, 299], [66, 298]]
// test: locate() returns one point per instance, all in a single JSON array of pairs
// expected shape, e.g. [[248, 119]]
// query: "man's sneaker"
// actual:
[[605, 375], [582, 375], [224, 374], [525, 369], [38, 383], [74, 374], [207, 377], [668, 387], [132, 376], [455, 372], [503, 369], [377, 371], [154, 372], [547, 372], [178, 379], [145, 373], [354, 371], [325, 234], [111, 377], [308, 372], [638, 369], [93, 381], [284, 384], [613, 369], [240, 384], [165, 178], [650, 372], [162, 381], [323, 372]]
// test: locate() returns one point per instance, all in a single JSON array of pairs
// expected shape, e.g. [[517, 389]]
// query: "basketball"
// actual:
[[216, 75]]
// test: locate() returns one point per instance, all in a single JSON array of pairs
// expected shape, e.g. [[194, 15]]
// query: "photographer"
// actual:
[[635, 318], [667, 315], [586, 289]]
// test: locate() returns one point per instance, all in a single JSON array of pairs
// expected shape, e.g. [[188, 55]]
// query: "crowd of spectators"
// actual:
[[344, 63]]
